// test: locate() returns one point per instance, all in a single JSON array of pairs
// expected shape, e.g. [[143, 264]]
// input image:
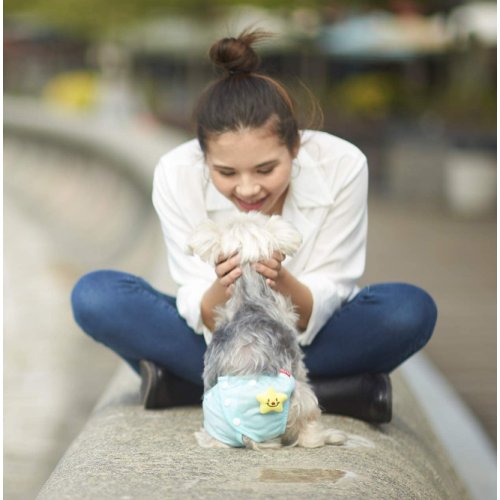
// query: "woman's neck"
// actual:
[[277, 209]]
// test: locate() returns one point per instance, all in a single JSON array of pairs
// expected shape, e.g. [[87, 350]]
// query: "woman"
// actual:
[[250, 155]]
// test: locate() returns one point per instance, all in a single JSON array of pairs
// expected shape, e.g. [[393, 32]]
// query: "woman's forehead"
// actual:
[[244, 147]]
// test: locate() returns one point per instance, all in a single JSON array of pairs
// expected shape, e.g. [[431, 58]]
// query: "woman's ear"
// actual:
[[296, 148], [204, 241]]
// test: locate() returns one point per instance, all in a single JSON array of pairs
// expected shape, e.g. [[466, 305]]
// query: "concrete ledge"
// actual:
[[126, 452], [461, 434]]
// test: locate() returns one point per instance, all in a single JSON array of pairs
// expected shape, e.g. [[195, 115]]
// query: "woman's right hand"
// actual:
[[227, 271]]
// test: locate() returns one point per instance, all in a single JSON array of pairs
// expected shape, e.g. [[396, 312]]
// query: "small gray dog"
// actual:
[[256, 389]]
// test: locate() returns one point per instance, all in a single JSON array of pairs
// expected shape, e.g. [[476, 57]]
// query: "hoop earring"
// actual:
[[204, 176]]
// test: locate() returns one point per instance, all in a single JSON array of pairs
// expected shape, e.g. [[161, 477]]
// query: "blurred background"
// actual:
[[95, 92]]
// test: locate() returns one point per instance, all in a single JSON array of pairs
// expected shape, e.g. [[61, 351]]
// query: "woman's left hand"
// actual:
[[271, 268]]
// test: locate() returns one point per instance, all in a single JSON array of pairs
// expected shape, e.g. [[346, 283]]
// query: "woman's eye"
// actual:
[[227, 174]]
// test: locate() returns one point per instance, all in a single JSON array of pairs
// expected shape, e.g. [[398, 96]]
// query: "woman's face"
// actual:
[[251, 168]]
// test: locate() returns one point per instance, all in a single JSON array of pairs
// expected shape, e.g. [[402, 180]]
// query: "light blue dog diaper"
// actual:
[[256, 407]]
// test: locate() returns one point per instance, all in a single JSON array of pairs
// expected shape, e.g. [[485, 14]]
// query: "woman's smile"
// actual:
[[252, 206]]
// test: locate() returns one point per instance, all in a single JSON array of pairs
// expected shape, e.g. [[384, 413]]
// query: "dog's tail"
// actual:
[[304, 427], [334, 436]]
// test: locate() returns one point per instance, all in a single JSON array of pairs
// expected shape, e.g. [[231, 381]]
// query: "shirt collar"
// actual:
[[307, 187]]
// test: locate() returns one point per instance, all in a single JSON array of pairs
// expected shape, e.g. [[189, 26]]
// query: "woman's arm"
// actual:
[[339, 254], [220, 291], [214, 296], [300, 295], [177, 217], [284, 282]]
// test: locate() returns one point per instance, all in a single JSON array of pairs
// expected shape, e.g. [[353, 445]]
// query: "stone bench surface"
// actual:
[[127, 452]]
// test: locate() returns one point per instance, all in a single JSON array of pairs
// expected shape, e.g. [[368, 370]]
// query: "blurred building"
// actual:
[[393, 82]]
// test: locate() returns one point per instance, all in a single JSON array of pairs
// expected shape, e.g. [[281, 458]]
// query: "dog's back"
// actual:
[[255, 332]]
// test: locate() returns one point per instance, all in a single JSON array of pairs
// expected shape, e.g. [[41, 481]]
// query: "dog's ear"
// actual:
[[204, 241], [286, 236]]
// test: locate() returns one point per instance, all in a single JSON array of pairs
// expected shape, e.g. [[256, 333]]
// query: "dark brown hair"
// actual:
[[242, 98]]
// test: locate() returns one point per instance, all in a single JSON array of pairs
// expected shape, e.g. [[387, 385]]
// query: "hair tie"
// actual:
[[237, 72]]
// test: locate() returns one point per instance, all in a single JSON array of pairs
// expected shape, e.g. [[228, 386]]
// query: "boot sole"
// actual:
[[387, 400], [147, 375]]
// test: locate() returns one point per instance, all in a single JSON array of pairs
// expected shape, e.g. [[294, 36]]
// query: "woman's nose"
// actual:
[[247, 190]]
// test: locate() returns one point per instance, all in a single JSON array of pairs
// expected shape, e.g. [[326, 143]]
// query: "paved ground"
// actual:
[[53, 373], [455, 261]]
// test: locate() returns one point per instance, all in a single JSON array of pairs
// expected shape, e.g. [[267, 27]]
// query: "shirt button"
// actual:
[[236, 421], [227, 402], [252, 382], [224, 385]]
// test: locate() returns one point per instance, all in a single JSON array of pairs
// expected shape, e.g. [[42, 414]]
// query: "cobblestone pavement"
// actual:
[[53, 373]]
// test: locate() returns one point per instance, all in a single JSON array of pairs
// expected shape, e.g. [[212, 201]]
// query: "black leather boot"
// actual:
[[161, 389], [367, 396]]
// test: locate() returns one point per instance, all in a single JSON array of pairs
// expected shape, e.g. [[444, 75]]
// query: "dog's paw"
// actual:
[[205, 440], [272, 444]]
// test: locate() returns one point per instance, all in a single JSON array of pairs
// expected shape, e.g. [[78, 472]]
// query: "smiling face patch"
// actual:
[[271, 401]]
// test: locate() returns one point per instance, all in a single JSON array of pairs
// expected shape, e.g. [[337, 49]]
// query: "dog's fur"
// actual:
[[255, 331]]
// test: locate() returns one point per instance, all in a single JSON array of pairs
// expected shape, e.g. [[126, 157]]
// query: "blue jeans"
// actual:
[[373, 333]]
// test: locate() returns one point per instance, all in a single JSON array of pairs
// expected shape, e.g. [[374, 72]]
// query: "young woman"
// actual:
[[251, 155]]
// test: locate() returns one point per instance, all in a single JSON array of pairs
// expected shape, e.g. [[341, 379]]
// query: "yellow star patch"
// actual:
[[271, 401]]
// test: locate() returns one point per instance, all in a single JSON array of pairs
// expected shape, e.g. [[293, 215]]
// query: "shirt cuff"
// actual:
[[207, 333], [325, 302], [189, 307]]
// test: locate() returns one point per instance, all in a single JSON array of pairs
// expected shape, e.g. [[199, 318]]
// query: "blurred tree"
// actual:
[[367, 95], [100, 19]]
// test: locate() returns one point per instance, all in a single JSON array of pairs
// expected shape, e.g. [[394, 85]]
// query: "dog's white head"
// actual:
[[255, 235]]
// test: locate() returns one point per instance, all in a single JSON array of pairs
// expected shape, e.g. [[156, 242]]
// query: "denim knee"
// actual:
[[416, 315], [89, 297], [429, 314]]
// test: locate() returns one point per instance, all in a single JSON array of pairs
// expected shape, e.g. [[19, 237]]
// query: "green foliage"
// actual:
[[367, 94], [99, 18]]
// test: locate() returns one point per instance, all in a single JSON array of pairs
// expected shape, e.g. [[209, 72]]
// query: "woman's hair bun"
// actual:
[[236, 55]]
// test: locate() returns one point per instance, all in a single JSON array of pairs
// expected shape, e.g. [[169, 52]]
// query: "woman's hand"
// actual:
[[227, 271], [270, 268]]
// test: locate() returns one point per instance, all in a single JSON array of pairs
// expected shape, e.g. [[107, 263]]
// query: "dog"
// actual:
[[257, 393]]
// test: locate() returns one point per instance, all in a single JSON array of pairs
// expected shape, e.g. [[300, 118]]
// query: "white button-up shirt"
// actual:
[[326, 201]]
